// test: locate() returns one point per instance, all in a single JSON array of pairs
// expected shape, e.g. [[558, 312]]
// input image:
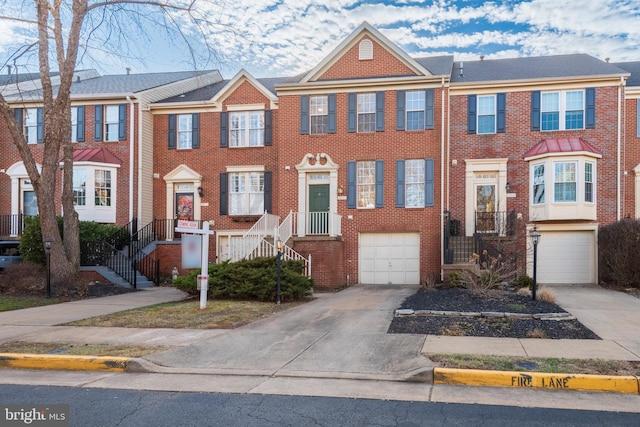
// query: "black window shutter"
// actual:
[[379, 111], [429, 108], [399, 183], [224, 129], [40, 124], [351, 185], [268, 194], [352, 123], [195, 130], [400, 110], [590, 122], [97, 123], [471, 114], [17, 113], [379, 184], [535, 110], [224, 201], [172, 132], [331, 100], [122, 122], [304, 114], [501, 100], [268, 128], [80, 123], [429, 183]]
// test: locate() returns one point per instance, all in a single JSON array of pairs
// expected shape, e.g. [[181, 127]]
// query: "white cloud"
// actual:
[[286, 37]]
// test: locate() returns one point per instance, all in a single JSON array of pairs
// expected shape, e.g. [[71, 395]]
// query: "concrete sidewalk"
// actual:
[[338, 336]]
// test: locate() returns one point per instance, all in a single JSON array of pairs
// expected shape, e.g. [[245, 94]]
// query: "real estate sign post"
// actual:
[[203, 277]]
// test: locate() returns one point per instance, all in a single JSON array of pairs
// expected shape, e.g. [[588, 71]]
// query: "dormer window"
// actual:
[[365, 51]]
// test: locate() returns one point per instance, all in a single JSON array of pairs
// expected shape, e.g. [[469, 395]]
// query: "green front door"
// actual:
[[318, 222]]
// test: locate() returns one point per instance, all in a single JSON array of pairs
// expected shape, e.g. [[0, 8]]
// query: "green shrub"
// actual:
[[254, 279], [523, 281], [32, 248]]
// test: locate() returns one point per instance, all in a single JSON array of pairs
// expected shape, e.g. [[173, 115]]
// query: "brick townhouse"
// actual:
[[373, 167]]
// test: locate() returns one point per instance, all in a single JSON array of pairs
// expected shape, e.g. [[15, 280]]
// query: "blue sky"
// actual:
[[287, 37]]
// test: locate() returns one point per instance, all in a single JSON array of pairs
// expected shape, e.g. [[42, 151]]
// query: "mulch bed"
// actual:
[[462, 300]]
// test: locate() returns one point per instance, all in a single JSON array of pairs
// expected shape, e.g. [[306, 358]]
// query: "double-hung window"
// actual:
[[319, 114], [415, 107], [414, 182], [588, 182], [102, 187], [538, 184], [486, 114], [246, 129], [185, 131], [366, 112], [564, 180], [366, 184], [111, 123], [31, 125], [77, 124], [79, 187], [246, 193], [562, 110]]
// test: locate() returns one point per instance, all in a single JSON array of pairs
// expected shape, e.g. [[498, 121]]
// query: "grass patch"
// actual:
[[219, 314], [528, 364], [79, 349], [17, 303]]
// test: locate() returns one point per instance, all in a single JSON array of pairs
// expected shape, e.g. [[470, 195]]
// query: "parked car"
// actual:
[[9, 253]]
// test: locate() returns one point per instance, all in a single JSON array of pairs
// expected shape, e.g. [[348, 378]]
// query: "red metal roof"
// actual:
[[561, 145], [98, 155]]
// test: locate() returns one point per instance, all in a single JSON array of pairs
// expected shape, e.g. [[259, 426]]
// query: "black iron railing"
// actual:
[[459, 248]]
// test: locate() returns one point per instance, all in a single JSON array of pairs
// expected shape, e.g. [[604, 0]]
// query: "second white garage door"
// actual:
[[389, 258], [566, 257]]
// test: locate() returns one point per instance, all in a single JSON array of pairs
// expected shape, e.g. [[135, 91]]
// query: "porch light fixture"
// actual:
[[340, 190], [200, 192], [507, 187], [535, 239]]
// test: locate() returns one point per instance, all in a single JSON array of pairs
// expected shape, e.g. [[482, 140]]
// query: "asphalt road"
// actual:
[[90, 407]]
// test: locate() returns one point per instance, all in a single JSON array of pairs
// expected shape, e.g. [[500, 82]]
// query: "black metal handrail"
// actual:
[[495, 223]]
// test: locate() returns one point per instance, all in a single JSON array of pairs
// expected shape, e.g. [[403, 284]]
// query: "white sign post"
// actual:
[[203, 278]]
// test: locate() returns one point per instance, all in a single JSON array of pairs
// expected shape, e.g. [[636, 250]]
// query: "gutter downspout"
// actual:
[[442, 175], [619, 171], [131, 156]]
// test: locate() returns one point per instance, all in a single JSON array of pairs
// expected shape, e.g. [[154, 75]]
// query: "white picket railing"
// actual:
[[317, 223], [253, 238]]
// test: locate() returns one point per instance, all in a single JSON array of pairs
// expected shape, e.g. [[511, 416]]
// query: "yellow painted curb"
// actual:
[[514, 379], [63, 362]]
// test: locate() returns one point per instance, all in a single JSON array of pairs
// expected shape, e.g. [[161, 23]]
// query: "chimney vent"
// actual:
[[128, 70], [461, 69], [9, 70]]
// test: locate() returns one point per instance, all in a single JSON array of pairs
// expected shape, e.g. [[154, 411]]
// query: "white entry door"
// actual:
[[389, 258]]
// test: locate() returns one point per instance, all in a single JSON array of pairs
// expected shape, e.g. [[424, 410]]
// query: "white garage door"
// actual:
[[389, 258], [566, 257]]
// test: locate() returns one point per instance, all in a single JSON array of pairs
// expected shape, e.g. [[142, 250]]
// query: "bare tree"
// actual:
[[62, 25]]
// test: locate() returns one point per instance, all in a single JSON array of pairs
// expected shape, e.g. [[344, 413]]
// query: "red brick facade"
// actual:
[[336, 260]]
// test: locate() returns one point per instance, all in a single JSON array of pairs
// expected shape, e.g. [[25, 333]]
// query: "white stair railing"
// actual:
[[285, 230], [253, 238]]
